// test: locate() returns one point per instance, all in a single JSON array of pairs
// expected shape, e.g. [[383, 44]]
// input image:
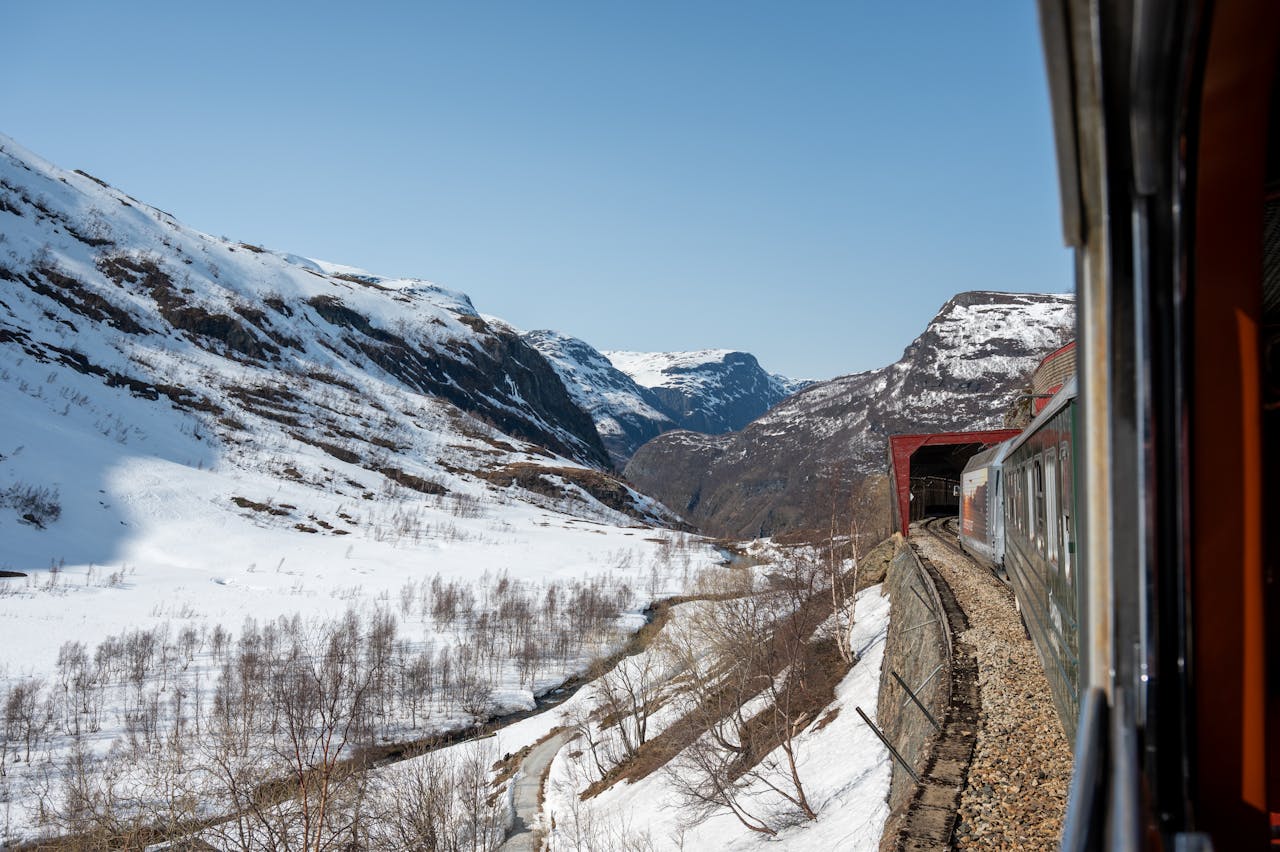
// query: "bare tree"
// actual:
[[25, 714], [326, 683], [581, 718], [745, 663], [441, 802], [718, 655], [628, 695]]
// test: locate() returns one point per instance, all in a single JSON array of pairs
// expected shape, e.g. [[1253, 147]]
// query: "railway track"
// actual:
[[946, 531], [930, 818]]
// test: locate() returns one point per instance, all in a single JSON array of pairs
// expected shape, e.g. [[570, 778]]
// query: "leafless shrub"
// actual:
[[268, 726], [37, 505]]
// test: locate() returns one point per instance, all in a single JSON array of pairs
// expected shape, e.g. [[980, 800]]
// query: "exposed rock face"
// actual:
[[625, 413], [786, 470], [711, 391]]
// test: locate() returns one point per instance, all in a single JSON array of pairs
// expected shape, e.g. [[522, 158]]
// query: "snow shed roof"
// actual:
[[940, 453]]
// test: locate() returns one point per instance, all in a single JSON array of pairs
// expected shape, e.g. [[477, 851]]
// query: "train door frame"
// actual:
[[1227, 175], [1159, 121]]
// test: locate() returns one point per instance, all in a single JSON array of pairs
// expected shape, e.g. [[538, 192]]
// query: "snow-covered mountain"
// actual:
[[626, 414], [119, 323], [777, 473], [635, 396], [711, 390]]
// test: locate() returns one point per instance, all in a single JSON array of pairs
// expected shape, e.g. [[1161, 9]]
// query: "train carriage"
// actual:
[[1039, 474], [981, 506]]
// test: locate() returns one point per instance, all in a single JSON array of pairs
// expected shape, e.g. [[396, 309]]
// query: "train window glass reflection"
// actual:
[[1037, 494], [1051, 504], [1029, 506], [1019, 510], [1022, 501], [1067, 507], [1011, 505]]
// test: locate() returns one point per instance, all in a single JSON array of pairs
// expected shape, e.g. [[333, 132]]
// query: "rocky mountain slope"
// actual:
[[787, 469], [711, 391], [625, 413], [118, 321]]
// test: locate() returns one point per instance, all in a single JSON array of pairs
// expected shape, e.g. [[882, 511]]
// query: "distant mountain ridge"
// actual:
[[783, 471], [626, 414], [710, 390], [635, 396]]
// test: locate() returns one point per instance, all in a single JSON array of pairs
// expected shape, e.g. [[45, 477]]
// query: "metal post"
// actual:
[[893, 751], [923, 684], [923, 709], [923, 600]]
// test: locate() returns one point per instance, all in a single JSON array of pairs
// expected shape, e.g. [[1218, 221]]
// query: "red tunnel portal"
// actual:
[[902, 448]]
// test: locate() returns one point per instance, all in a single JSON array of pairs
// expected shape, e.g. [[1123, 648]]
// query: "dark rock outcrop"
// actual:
[[503, 380]]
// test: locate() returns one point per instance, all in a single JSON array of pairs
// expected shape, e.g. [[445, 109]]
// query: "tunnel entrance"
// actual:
[[924, 471]]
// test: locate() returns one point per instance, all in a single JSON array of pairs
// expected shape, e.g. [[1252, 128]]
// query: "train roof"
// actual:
[[1060, 400], [990, 457]]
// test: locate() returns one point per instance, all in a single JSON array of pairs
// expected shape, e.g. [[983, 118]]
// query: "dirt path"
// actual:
[[528, 792]]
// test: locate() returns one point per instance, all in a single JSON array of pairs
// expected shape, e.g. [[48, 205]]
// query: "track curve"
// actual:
[[946, 531]]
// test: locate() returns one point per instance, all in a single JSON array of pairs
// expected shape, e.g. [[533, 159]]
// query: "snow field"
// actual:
[[272, 567]]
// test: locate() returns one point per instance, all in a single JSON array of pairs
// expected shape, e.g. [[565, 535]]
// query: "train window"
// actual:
[[1051, 503], [1010, 516], [1022, 499], [1067, 506], [1037, 496], [1015, 502], [1011, 505], [1029, 506], [1028, 500]]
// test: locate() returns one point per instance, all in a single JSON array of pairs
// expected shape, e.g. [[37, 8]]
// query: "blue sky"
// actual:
[[807, 181]]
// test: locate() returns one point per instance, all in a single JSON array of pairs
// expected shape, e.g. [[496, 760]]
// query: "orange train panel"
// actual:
[[1226, 453]]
